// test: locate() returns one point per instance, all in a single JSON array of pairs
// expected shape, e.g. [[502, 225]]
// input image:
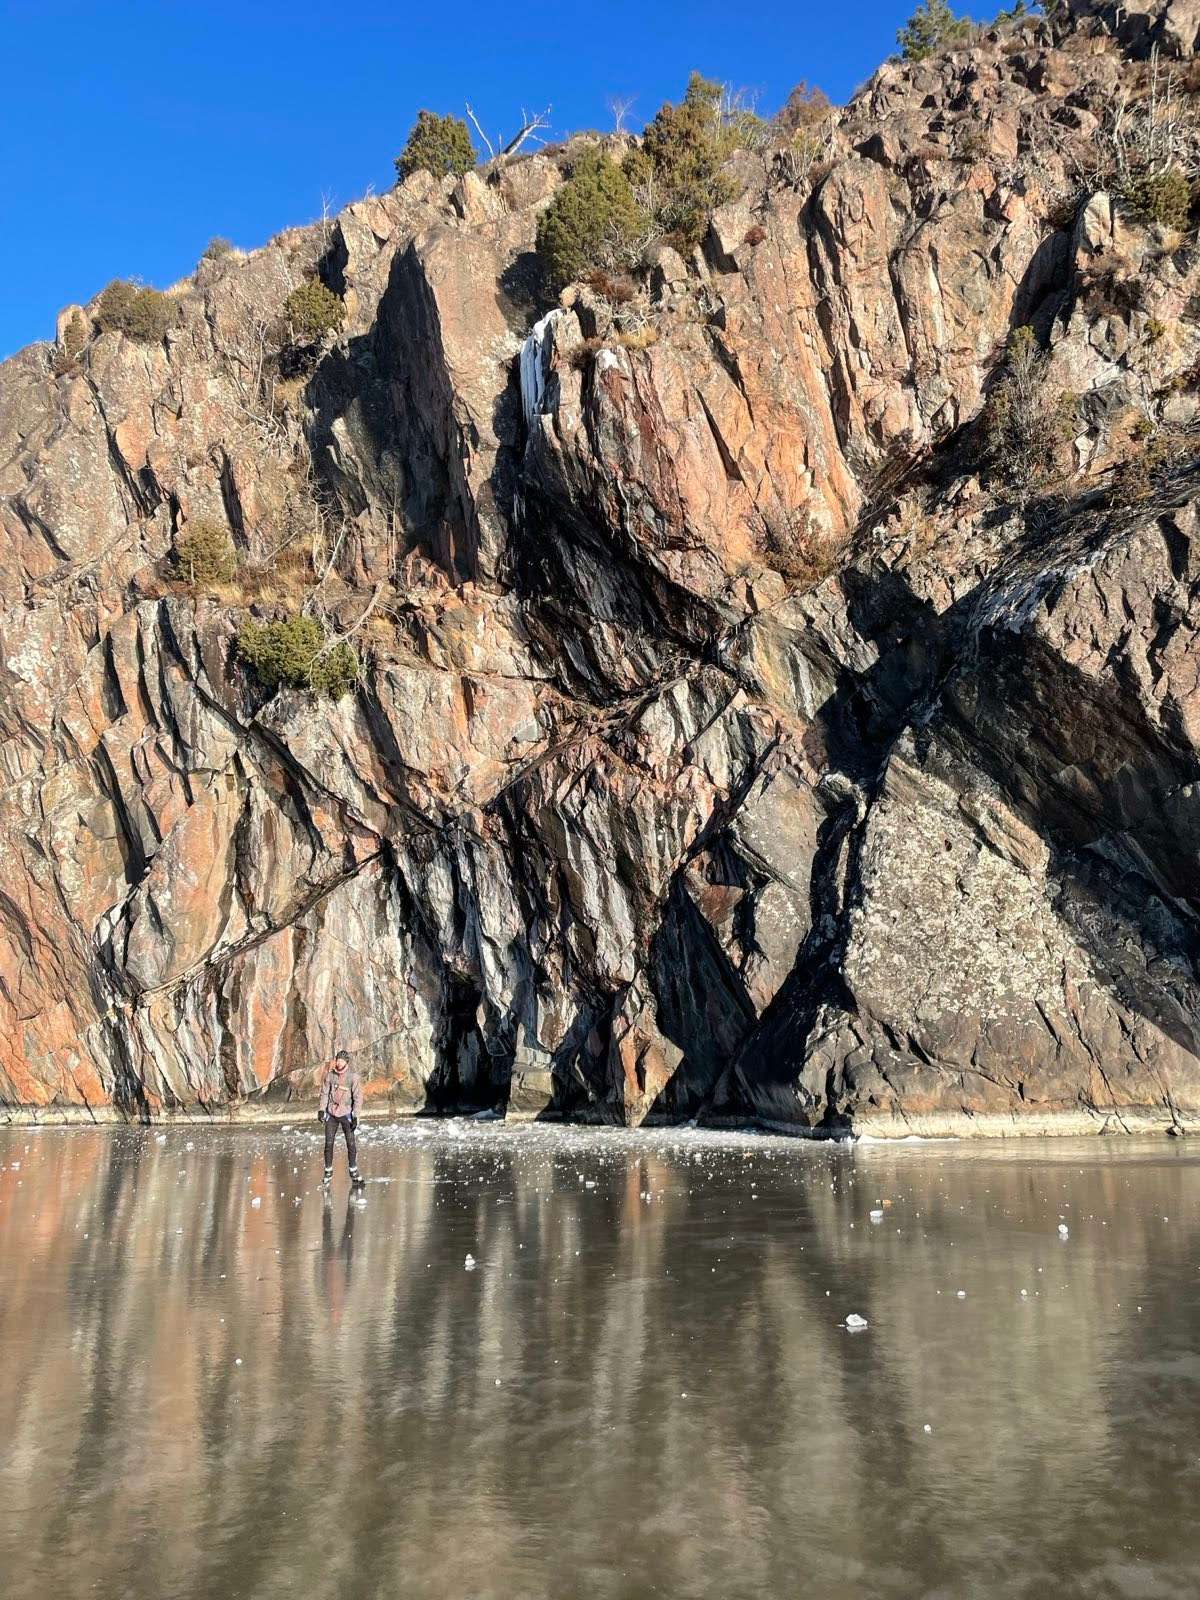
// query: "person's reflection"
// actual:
[[337, 1256]]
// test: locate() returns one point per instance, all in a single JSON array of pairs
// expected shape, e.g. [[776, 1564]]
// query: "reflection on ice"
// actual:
[[642, 1386]]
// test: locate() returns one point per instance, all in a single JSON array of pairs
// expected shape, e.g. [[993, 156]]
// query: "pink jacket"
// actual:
[[341, 1093]]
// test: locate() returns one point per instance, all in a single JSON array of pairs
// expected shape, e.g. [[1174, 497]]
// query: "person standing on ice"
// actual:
[[341, 1098]]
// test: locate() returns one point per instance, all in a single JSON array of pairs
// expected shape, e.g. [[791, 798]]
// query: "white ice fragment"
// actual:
[[1063, 1231], [928, 1429], [160, 1138], [962, 1294], [469, 1263], [876, 1216], [256, 1202], [854, 1322], [237, 1361], [16, 1166]]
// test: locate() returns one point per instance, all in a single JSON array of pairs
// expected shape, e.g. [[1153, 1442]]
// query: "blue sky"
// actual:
[[131, 133]]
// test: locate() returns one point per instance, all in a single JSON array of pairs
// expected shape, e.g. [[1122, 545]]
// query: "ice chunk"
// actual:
[[470, 1262], [854, 1322], [877, 1216], [533, 366], [1063, 1231]]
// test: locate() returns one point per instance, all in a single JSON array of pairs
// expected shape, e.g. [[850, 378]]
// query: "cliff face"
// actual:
[[730, 741]]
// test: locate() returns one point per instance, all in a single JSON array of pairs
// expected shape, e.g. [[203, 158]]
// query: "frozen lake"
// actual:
[[219, 1383]]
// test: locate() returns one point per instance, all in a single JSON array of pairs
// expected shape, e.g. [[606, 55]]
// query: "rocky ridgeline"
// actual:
[[745, 728]]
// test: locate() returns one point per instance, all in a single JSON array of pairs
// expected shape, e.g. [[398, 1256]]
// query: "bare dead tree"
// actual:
[[531, 127], [475, 123], [499, 150], [340, 638], [808, 148], [255, 381], [734, 104], [1142, 134], [1155, 132], [327, 209], [620, 105], [335, 549]]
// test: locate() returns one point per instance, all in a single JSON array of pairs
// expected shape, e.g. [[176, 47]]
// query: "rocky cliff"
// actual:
[[742, 730]]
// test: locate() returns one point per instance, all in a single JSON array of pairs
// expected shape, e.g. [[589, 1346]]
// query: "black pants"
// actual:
[[332, 1124]]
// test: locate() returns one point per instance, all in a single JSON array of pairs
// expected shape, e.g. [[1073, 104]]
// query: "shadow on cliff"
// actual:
[[1078, 760], [387, 445], [1112, 794]]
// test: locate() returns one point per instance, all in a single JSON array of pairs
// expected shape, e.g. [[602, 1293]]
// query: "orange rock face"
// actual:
[[738, 733]]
